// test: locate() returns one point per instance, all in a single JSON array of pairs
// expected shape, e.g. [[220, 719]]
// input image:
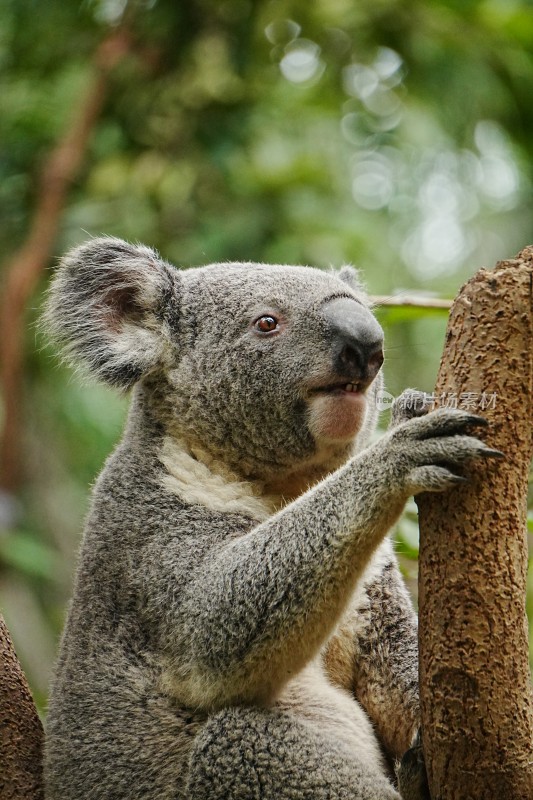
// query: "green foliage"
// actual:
[[394, 134]]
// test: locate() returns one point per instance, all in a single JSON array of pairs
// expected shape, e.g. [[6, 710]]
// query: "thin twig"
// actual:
[[410, 301]]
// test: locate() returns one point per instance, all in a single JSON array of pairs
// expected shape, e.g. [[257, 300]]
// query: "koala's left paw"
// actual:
[[411, 403], [411, 773]]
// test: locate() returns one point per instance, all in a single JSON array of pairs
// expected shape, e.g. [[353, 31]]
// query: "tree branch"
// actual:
[[26, 265], [477, 704], [411, 301], [21, 732]]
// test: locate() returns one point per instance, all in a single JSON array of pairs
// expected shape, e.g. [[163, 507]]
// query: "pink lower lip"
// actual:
[[340, 391], [343, 394]]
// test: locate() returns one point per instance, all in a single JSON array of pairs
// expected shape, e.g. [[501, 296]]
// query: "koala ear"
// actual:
[[350, 276], [111, 306]]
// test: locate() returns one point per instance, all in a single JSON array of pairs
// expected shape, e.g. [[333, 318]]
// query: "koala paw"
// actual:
[[411, 403], [426, 450], [411, 773]]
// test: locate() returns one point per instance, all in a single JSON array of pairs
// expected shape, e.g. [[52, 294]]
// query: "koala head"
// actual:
[[271, 369]]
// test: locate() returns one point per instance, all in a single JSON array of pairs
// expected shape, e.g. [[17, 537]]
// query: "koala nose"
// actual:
[[357, 339]]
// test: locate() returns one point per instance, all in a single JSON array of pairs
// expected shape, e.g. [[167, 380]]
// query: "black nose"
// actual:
[[357, 339]]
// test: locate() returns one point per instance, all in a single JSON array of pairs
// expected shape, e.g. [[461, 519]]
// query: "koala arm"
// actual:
[[257, 609]]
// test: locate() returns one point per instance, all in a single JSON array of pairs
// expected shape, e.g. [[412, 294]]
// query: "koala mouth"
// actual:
[[337, 410], [341, 388]]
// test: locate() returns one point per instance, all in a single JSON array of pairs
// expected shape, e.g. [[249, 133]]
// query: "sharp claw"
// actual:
[[490, 453], [458, 479], [475, 419]]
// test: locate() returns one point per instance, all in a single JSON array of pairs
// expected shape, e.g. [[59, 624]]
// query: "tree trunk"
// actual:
[[477, 704], [21, 732]]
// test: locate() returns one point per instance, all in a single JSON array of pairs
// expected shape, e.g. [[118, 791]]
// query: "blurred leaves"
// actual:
[[29, 556]]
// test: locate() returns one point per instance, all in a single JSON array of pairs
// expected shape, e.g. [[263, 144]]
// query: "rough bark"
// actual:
[[477, 704], [21, 732]]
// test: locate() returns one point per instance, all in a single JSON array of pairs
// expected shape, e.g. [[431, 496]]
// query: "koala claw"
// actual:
[[433, 479], [413, 403], [489, 452], [432, 446], [442, 422]]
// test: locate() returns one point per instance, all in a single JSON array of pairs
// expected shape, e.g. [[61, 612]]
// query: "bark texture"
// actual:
[[21, 732], [477, 704]]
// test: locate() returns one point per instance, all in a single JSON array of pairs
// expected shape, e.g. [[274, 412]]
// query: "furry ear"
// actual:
[[111, 306], [350, 275]]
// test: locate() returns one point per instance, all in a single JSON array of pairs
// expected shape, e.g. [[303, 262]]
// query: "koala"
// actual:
[[239, 627]]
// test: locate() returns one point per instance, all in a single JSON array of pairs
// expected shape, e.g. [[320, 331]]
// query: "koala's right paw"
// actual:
[[427, 450]]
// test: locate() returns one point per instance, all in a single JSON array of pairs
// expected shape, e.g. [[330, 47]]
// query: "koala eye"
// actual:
[[266, 324]]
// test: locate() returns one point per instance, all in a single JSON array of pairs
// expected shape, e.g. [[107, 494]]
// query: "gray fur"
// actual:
[[233, 633]]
